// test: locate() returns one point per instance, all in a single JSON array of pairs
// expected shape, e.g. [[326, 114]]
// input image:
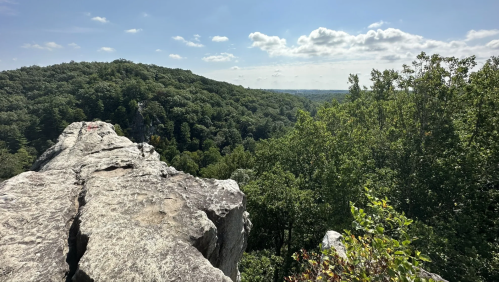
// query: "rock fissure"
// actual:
[[77, 243]]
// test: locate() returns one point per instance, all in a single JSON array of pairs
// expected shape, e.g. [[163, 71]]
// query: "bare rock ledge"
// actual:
[[98, 207]]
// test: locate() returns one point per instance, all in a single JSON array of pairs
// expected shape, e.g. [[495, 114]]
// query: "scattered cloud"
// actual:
[[100, 19], [220, 38], [175, 56], [196, 37], [477, 34], [377, 24], [159, 50], [14, 59], [49, 46], [235, 68], [87, 14], [188, 43], [494, 44], [106, 49], [133, 30], [74, 45], [145, 15], [52, 45], [223, 57], [389, 44], [271, 44]]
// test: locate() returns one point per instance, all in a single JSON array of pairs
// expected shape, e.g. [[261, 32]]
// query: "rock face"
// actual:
[[98, 207]]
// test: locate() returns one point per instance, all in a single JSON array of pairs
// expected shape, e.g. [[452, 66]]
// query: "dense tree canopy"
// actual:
[[425, 137], [182, 114]]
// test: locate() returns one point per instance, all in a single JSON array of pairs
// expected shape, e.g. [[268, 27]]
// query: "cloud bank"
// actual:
[[389, 44]]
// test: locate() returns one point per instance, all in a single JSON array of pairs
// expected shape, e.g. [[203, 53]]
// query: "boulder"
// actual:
[[332, 239], [98, 207]]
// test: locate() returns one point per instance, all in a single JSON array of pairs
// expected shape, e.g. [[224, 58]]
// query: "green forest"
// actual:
[[407, 168]]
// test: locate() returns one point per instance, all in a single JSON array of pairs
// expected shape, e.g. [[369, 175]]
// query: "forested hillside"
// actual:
[[193, 121]]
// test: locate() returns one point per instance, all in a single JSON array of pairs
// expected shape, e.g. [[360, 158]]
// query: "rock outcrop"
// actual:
[[98, 207]]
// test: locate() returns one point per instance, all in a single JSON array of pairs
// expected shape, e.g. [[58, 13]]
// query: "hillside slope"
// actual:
[[181, 110]]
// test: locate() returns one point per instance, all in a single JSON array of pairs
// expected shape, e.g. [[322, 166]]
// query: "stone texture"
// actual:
[[333, 239], [428, 275], [101, 208]]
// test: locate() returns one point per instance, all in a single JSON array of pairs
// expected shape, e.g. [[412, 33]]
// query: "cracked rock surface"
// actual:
[[99, 207]]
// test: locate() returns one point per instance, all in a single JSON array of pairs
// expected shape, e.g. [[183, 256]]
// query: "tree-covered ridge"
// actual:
[[319, 96], [184, 112]]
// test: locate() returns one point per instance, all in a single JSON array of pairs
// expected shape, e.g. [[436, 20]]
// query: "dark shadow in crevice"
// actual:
[[77, 246]]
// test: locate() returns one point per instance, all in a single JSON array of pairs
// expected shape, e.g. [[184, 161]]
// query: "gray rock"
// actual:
[[333, 239], [101, 208], [428, 275]]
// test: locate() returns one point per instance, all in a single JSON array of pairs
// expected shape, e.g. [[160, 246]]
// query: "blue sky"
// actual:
[[258, 44]]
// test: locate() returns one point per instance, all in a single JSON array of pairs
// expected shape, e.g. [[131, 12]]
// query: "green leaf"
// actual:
[[424, 258]]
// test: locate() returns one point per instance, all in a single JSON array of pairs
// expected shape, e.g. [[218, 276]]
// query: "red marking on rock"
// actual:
[[90, 127]]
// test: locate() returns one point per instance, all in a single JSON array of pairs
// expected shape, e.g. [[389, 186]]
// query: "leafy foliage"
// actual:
[[372, 256]]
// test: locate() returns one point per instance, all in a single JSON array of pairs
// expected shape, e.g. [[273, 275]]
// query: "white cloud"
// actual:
[[74, 45], [100, 19], [377, 24], [52, 45], [477, 34], [494, 44], [133, 30], [175, 56], [223, 57], [145, 15], [389, 44], [188, 43], [49, 46], [220, 38], [14, 59], [106, 49], [235, 68], [271, 44], [196, 37], [87, 14], [159, 50]]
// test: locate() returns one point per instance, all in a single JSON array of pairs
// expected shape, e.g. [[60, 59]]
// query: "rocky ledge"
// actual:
[[98, 207]]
